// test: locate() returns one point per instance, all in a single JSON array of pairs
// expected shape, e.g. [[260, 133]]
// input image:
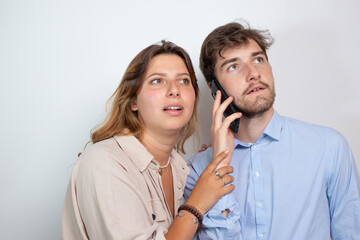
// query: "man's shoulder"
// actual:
[[313, 130], [199, 161], [307, 126]]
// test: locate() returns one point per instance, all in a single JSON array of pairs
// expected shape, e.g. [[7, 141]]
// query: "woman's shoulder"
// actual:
[[104, 148], [102, 155]]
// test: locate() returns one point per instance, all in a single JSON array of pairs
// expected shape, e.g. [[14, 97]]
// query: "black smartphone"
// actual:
[[232, 108]]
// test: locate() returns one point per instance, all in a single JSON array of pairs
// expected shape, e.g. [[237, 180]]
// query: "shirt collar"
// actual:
[[140, 156], [135, 151], [272, 130], [274, 127], [179, 162]]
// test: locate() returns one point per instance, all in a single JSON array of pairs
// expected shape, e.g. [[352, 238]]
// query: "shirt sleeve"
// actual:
[[343, 191], [103, 202], [215, 224]]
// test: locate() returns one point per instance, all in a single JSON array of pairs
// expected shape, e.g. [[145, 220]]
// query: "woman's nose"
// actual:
[[173, 90]]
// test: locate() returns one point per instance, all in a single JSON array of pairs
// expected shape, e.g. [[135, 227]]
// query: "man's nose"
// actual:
[[253, 74]]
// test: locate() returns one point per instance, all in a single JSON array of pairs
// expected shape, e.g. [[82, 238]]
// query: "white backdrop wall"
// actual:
[[61, 60]]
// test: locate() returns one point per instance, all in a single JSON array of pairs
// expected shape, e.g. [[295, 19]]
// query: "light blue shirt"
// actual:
[[298, 181]]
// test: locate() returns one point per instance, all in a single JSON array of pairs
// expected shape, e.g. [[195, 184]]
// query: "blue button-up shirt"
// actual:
[[298, 181]]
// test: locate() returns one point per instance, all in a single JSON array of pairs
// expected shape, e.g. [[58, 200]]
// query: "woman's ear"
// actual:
[[134, 105]]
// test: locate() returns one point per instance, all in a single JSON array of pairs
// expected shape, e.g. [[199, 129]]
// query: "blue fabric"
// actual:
[[298, 181]]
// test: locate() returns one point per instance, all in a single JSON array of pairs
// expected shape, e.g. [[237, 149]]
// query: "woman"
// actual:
[[129, 184]]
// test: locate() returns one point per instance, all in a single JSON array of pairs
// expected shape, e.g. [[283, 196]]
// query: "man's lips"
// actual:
[[255, 89]]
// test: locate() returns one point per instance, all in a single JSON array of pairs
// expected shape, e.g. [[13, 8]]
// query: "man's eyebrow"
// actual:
[[257, 53], [236, 59], [229, 61]]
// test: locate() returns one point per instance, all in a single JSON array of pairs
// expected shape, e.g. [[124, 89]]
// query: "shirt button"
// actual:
[[254, 146], [259, 204], [257, 174], [261, 235]]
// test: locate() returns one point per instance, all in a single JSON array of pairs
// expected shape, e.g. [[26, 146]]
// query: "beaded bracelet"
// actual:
[[193, 211]]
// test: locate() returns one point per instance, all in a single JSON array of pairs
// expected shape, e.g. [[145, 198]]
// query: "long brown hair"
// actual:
[[121, 120]]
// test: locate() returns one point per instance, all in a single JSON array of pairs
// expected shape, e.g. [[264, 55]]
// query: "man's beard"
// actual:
[[257, 107]]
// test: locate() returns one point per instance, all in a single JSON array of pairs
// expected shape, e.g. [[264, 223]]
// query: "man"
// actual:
[[293, 180]]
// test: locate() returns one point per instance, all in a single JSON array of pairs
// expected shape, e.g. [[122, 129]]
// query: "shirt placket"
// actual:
[[163, 199], [257, 176]]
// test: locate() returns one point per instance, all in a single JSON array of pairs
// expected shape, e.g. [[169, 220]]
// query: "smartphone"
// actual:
[[232, 108]]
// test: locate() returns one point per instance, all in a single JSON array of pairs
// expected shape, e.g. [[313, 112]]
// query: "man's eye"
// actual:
[[258, 60], [232, 68], [155, 81], [185, 81]]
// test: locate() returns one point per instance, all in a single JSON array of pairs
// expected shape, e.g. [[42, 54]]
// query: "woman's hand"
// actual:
[[210, 187], [221, 134]]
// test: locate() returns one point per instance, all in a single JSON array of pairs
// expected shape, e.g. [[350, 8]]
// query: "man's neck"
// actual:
[[250, 129]]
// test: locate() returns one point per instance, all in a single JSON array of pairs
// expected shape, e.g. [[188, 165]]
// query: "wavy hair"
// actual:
[[121, 120]]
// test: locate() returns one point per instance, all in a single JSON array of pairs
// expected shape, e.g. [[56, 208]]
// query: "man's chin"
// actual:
[[255, 111], [258, 108]]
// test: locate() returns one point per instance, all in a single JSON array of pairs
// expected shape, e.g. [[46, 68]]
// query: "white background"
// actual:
[[61, 60]]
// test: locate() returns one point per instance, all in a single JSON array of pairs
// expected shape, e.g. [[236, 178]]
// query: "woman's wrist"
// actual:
[[196, 205], [194, 211]]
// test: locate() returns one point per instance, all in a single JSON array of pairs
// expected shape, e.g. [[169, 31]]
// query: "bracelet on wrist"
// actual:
[[193, 211]]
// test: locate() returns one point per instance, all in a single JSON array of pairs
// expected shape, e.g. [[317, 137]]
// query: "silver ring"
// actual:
[[217, 174], [223, 181]]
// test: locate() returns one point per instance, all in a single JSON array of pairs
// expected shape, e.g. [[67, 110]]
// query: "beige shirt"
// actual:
[[115, 192]]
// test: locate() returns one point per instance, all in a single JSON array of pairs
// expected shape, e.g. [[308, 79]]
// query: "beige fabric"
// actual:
[[115, 189]]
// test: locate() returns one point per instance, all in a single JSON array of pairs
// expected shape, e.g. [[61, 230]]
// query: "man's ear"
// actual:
[[209, 84]]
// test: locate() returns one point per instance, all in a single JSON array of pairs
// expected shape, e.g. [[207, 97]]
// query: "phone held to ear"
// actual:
[[230, 109]]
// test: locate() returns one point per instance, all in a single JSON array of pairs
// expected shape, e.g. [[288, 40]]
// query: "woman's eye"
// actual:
[[232, 68], [155, 81], [185, 81], [258, 60]]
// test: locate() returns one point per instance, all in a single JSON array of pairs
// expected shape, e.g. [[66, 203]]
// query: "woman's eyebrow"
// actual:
[[183, 74], [163, 74], [155, 74]]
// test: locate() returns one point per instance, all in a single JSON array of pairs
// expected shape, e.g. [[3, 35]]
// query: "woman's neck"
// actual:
[[159, 145]]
